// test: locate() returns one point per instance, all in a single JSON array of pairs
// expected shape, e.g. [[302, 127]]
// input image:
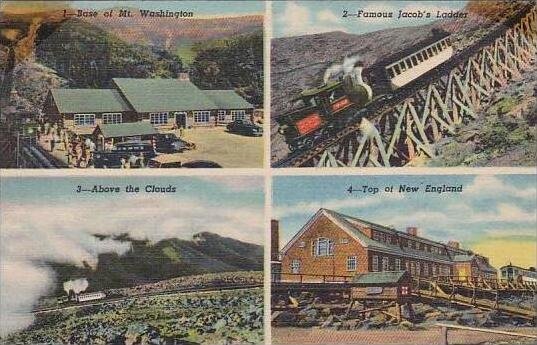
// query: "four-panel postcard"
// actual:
[[286, 172]]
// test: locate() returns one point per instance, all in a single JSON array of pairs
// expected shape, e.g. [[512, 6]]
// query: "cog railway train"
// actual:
[[322, 111]]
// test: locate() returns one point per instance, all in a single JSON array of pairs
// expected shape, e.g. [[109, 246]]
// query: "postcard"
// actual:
[[136, 260], [114, 84], [399, 83], [399, 259]]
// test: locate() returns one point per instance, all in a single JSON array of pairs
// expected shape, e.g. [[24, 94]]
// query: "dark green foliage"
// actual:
[[90, 57], [235, 63], [148, 262]]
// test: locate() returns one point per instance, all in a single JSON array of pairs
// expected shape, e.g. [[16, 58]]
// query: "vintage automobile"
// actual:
[[245, 127], [143, 151], [169, 143], [175, 161]]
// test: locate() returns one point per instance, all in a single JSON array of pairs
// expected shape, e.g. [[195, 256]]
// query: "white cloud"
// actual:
[[327, 16], [505, 213], [491, 185], [63, 234], [297, 20], [309, 208]]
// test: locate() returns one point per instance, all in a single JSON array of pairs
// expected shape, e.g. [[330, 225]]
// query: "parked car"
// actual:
[[172, 161], [137, 153], [201, 164], [245, 127], [169, 143]]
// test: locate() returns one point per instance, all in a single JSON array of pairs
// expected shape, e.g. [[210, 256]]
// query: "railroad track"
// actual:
[[446, 75], [150, 294]]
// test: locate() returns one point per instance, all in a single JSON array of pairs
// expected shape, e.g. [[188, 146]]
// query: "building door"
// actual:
[[180, 119]]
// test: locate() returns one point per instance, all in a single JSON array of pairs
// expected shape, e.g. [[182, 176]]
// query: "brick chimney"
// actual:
[[184, 76], [412, 230], [454, 244], [274, 239]]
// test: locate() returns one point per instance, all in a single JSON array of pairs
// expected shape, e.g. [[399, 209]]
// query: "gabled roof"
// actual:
[[355, 224], [88, 101], [127, 129], [384, 277], [227, 99], [160, 95], [352, 226]]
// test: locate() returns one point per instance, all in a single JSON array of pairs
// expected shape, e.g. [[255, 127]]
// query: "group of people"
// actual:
[[79, 151]]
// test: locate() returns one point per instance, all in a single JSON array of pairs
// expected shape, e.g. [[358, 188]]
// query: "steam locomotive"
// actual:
[[322, 111]]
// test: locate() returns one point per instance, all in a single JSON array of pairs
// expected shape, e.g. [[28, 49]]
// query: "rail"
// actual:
[[309, 278], [420, 113]]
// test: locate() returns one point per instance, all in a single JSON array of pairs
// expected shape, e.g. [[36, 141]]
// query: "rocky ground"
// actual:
[[504, 134], [299, 62], [225, 317], [310, 313]]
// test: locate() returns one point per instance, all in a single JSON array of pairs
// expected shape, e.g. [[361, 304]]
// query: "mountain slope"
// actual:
[[148, 262]]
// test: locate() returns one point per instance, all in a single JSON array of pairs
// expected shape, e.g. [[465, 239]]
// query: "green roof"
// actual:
[[127, 129], [153, 95], [227, 99], [88, 101], [385, 277]]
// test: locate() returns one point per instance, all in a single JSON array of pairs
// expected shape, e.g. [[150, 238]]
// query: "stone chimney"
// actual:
[[184, 76], [274, 239], [412, 230], [454, 244]]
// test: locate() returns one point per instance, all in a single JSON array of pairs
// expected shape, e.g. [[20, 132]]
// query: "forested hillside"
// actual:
[[90, 57], [234, 63], [148, 262]]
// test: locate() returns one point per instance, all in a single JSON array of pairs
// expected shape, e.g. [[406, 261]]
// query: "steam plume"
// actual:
[[341, 69], [77, 285]]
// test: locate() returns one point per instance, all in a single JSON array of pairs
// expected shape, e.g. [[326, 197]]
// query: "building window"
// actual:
[[302, 244], [221, 115], [324, 247], [295, 266], [412, 268], [418, 268], [344, 241], [397, 264], [404, 290], [389, 239], [158, 118], [84, 119], [375, 264], [201, 116], [385, 264], [351, 263], [425, 269], [376, 236], [110, 118], [238, 115]]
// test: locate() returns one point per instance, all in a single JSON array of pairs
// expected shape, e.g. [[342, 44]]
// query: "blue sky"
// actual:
[[295, 18], [154, 216], [200, 8], [490, 210]]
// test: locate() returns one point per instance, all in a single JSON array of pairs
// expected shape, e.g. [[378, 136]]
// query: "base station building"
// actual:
[[164, 103], [334, 244]]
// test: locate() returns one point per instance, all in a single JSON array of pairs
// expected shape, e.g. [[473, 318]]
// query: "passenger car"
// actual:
[[112, 159], [169, 142], [245, 127]]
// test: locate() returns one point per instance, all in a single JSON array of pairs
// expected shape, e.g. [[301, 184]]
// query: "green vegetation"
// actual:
[[196, 318], [235, 63], [90, 57], [503, 135], [147, 262]]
